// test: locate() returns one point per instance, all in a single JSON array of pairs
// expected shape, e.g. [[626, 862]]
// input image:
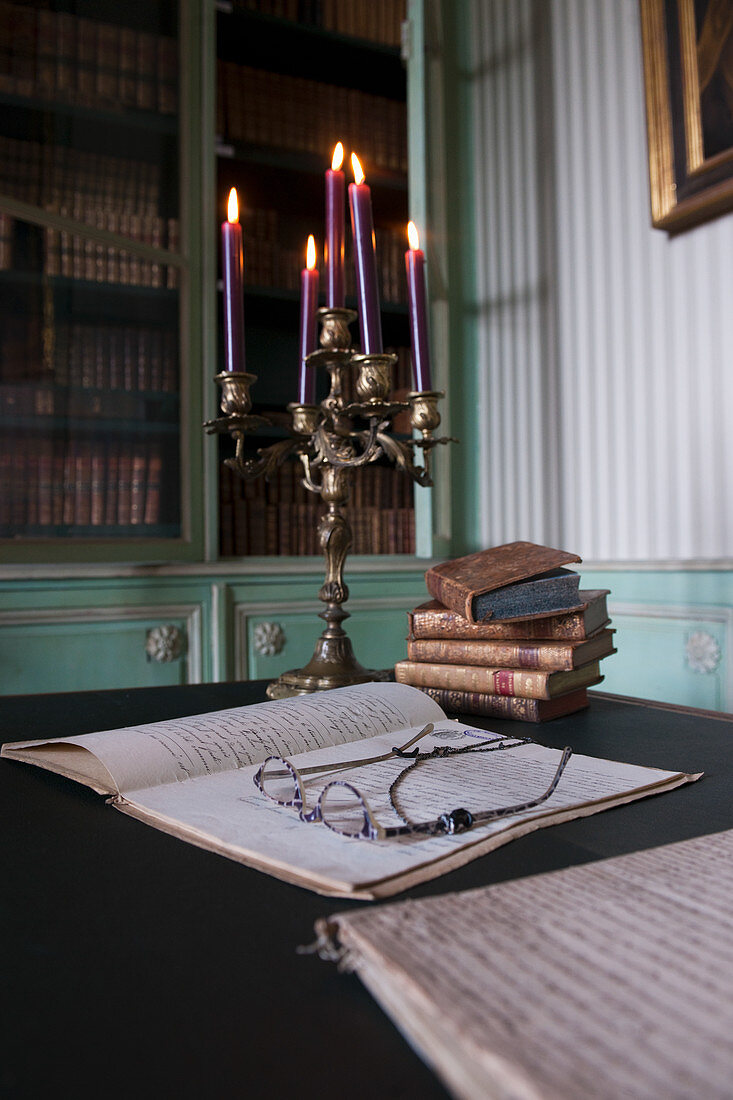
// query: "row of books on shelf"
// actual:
[[258, 107], [38, 399], [86, 62], [107, 358], [375, 486], [80, 483], [292, 529], [60, 177], [73, 256], [280, 516], [373, 20], [274, 256], [532, 660], [78, 257]]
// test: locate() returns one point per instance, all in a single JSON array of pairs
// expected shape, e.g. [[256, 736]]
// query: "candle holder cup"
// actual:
[[331, 441]]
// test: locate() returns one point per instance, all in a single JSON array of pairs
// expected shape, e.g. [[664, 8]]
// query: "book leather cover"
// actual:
[[508, 706], [458, 582], [432, 620], [549, 656]]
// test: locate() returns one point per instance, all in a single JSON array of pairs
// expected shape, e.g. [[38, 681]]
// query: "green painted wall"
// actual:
[[674, 634]]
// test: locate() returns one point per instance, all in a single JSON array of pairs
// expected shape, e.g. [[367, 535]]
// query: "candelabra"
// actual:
[[331, 441]]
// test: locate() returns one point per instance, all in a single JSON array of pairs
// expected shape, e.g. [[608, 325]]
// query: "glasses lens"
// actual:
[[279, 781], [343, 809]]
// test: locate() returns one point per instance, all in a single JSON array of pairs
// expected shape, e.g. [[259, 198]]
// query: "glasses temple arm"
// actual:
[[330, 768], [462, 819]]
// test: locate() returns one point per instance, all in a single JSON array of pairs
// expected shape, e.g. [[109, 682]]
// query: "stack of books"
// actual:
[[509, 633]]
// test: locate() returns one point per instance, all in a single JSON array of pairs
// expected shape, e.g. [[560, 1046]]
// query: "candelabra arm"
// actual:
[[340, 451], [266, 461], [400, 452], [308, 481]]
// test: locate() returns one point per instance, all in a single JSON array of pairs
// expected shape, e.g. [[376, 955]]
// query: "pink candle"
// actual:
[[417, 304], [365, 260], [335, 190], [308, 304], [233, 270]]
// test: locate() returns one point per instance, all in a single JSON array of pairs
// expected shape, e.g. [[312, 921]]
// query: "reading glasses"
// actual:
[[345, 810]]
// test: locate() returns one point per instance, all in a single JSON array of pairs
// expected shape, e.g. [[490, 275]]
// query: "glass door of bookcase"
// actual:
[[90, 270], [293, 80]]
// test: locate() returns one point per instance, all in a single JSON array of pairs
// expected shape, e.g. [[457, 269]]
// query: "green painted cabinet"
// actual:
[[104, 631]]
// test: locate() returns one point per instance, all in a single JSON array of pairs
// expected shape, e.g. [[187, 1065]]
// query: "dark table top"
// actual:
[[135, 961]]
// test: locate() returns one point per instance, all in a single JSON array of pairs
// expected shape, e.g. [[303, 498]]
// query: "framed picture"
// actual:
[[688, 73]]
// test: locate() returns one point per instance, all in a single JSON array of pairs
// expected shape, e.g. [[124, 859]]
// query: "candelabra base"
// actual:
[[333, 665]]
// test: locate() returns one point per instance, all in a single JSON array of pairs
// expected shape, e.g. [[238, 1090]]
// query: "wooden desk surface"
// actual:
[[134, 961]]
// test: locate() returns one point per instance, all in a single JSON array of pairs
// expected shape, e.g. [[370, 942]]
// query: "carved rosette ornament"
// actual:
[[164, 643], [268, 639], [702, 652]]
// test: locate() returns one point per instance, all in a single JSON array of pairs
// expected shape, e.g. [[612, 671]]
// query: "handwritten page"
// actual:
[[226, 812], [605, 980], [205, 744]]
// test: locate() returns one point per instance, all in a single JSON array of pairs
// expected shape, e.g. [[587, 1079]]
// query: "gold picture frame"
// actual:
[[688, 74]]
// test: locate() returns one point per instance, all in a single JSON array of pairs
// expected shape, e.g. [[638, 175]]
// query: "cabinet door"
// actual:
[[84, 649], [268, 644], [292, 82], [91, 269]]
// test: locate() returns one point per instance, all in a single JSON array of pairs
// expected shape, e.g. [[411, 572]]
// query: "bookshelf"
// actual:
[[90, 272], [292, 80], [110, 211]]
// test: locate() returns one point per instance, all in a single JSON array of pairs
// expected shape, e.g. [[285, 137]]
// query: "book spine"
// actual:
[[446, 591], [504, 706], [548, 656], [488, 681], [429, 623]]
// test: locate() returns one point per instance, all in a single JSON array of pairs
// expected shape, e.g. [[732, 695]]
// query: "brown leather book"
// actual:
[[516, 580], [550, 656], [433, 620], [530, 683], [508, 706]]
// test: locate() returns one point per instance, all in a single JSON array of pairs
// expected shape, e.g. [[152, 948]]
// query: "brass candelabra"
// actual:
[[332, 440]]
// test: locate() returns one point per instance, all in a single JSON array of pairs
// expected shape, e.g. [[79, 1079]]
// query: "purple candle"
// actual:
[[308, 304], [416, 298], [335, 190], [365, 260], [233, 265]]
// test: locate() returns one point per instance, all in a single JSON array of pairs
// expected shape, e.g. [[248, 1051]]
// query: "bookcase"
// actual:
[[93, 310], [293, 79], [129, 554]]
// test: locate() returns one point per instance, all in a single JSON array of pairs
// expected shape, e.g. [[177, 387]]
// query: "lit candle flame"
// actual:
[[413, 237], [356, 168], [233, 206], [310, 253], [338, 157]]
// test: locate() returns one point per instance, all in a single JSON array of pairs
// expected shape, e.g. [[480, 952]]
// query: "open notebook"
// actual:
[[193, 777]]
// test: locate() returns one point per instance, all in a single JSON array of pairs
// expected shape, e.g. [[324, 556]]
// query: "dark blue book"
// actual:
[[546, 594]]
